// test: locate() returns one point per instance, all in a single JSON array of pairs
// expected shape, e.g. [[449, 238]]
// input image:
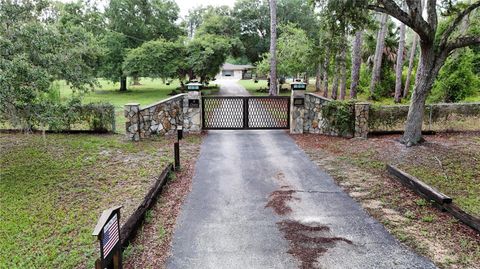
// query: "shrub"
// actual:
[[47, 113], [457, 79], [340, 117]]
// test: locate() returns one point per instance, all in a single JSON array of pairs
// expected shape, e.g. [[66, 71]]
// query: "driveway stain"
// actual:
[[278, 201], [308, 242]]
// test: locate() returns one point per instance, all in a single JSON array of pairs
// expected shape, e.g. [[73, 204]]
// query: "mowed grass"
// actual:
[[150, 91], [253, 87], [54, 189]]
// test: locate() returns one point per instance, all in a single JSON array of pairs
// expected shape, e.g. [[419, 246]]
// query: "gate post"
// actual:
[[361, 119], [132, 125], [297, 107], [192, 110]]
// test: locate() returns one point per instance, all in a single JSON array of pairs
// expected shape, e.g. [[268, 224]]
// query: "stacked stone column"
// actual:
[[297, 113], [361, 119], [132, 114], [192, 119]]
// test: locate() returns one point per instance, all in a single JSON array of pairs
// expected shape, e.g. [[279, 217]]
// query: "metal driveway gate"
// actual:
[[245, 112]]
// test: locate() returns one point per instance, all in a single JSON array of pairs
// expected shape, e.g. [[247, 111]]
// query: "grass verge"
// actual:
[[54, 189]]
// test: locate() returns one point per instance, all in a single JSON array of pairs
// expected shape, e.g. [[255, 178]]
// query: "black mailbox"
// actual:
[[193, 103]]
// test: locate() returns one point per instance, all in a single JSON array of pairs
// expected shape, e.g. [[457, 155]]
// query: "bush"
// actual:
[[457, 80], [49, 114], [340, 117]]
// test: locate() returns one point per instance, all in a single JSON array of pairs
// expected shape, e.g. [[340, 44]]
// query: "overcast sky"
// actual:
[[185, 5]]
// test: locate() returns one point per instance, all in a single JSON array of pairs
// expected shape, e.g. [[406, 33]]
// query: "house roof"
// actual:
[[228, 66]]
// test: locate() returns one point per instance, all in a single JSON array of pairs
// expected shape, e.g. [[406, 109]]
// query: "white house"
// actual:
[[235, 71]]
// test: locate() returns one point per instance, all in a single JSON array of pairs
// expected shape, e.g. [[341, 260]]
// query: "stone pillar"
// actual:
[[297, 111], [132, 111], [361, 119], [192, 112]]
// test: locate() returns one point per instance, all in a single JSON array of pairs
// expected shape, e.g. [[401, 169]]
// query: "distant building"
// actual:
[[236, 71]]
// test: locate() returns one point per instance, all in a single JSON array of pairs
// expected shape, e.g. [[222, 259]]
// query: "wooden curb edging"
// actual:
[[431, 194], [135, 220]]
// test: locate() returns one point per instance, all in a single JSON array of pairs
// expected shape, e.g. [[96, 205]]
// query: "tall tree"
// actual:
[[131, 23], [411, 59], [273, 47], [377, 61], [343, 71], [436, 44], [336, 75], [399, 64], [413, 49], [356, 63], [294, 52], [326, 65], [37, 49], [318, 77]]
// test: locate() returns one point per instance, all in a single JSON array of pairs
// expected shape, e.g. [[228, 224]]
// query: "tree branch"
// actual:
[[456, 22], [414, 20], [462, 41], [432, 14]]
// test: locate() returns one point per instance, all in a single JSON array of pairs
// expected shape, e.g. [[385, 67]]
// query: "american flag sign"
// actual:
[[110, 235]]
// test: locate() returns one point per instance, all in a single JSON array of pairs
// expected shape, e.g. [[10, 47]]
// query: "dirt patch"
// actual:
[[308, 242], [358, 166]]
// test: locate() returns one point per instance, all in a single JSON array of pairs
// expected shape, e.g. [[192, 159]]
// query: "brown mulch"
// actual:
[[151, 247], [358, 166]]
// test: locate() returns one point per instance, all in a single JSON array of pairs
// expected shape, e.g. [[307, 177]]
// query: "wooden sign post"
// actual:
[[108, 234]]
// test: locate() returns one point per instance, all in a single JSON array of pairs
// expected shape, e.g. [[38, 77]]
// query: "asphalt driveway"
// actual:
[[230, 87], [257, 201]]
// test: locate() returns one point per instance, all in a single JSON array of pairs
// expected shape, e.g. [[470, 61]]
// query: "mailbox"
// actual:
[[107, 231], [298, 86], [194, 86], [193, 103], [299, 101]]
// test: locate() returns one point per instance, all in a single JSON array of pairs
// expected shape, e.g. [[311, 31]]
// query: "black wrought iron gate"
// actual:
[[245, 112]]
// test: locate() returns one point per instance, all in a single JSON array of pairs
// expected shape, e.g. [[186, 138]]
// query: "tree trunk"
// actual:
[[136, 81], [335, 77], [356, 63], [410, 65], [325, 73], [343, 72], [430, 67], [123, 84], [318, 78], [399, 65], [377, 62], [273, 48]]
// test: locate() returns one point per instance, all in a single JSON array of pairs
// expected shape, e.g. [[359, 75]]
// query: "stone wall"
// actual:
[[437, 117], [192, 120], [161, 118], [297, 113], [361, 119], [313, 121]]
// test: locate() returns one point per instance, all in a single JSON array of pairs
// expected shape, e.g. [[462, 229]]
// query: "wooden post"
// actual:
[[176, 151]]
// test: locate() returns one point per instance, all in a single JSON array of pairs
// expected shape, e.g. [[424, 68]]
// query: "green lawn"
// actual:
[[151, 91], [53, 191], [252, 87]]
